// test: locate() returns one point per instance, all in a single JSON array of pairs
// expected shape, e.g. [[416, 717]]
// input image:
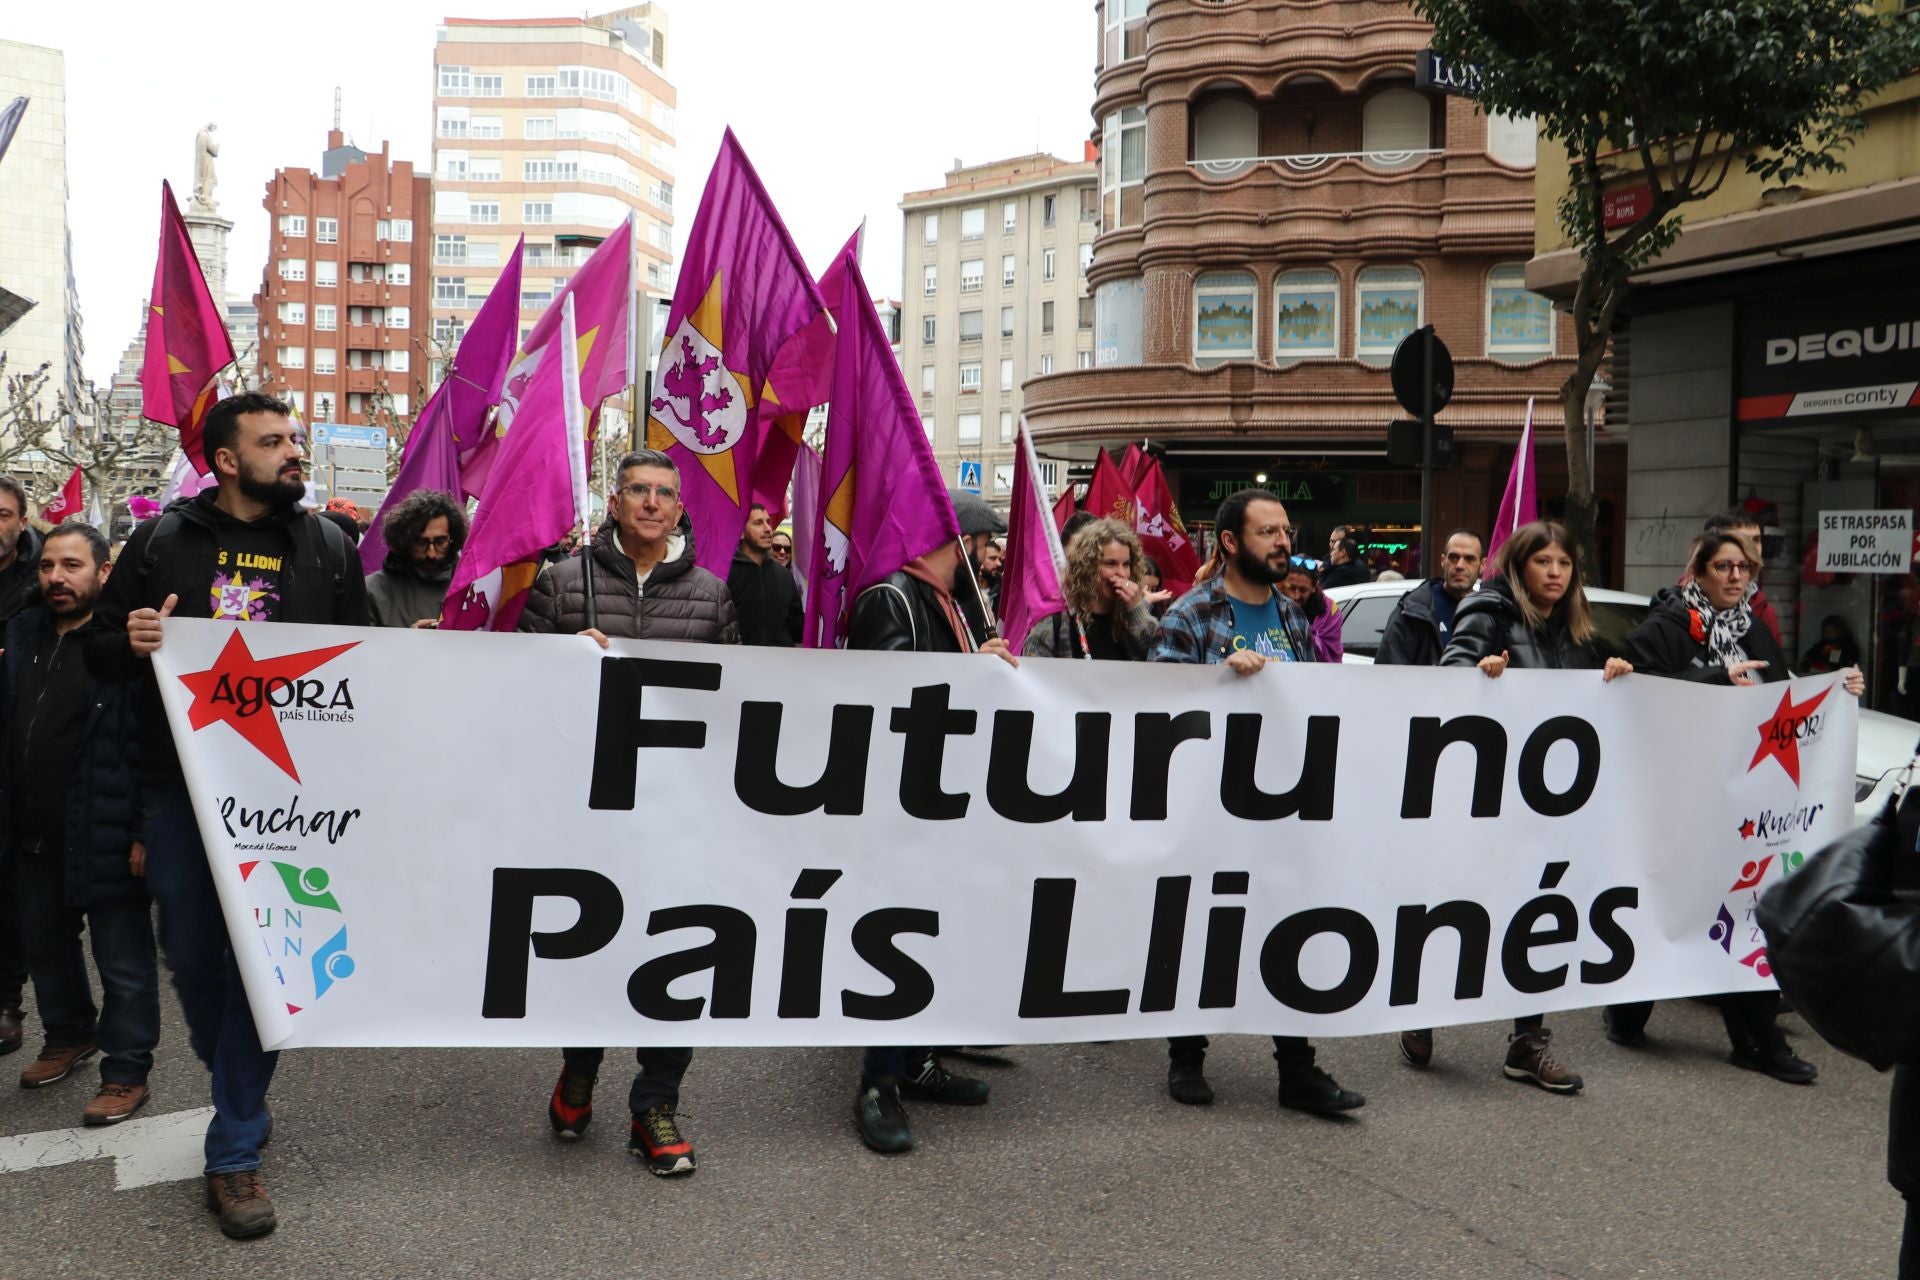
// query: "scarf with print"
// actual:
[[1721, 630]]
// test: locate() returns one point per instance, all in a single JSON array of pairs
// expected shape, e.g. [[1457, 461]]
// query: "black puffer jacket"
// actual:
[[103, 792], [1412, 636], [1663, 645], [1488, 623], [680, 600]]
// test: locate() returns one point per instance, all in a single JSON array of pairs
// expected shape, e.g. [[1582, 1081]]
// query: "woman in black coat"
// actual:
[[1533, 615], [1706, 631]]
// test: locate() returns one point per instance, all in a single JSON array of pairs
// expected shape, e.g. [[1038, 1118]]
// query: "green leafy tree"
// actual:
[[1671, 95]]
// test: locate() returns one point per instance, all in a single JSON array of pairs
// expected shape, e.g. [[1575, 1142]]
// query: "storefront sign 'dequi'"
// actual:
[[1827, 355]]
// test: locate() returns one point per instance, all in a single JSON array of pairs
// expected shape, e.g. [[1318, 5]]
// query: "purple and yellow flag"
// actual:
[[187, 345], [744, 292]]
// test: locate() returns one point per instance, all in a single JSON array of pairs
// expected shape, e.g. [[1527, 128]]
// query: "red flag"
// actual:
[[187, 345], [1109, 496], [1133, 465], [67, 504], [1063, 507], [1162, 534]]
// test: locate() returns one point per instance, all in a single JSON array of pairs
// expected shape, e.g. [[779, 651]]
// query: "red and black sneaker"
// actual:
[[657, 1139], [572, 1107]]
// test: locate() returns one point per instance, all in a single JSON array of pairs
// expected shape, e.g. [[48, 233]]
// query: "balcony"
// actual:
[[363, 293], [1379, 161], [364, 337], [362, 380]]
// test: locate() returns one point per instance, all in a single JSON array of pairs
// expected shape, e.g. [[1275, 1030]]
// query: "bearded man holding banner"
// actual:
[[646, 587], [245, 551]]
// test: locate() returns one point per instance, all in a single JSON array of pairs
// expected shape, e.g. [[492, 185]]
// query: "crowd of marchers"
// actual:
[[96, 827]]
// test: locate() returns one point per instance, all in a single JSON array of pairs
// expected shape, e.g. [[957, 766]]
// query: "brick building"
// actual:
[[343, 304], [1279, 206]]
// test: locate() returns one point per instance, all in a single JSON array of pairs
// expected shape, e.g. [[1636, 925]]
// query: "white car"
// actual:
[[1886, 742]]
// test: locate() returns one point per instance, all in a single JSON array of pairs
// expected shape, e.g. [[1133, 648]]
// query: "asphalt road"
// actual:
[[440, 1163]]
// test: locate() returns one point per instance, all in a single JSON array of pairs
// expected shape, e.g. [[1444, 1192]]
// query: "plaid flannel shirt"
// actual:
[[1198, 628]]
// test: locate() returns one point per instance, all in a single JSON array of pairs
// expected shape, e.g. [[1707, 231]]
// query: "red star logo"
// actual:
[[1746, 829], [235, 664], [1779, 734]]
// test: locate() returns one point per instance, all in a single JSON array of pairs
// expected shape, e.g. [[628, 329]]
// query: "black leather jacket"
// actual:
[[1488, 622], [901, 613]]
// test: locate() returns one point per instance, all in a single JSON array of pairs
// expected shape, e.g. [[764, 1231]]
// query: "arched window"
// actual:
[[1225, 129], [1306, 315], [1390, 302], [1223, 305], [1512, 140], [1123, 168], [1519, 323], [1397, 127]]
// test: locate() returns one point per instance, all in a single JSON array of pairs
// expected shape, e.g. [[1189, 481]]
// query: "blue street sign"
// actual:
[[970, 476]]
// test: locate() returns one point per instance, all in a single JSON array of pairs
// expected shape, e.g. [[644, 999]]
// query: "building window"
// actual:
[[1397, 127], [1390, 301], [926, 329], [931, 228], [449, 250], [969, 326], [449, 291], [926, 425], [1006, 322], [538, 128], [972, 275], [967, 428], [1009, 216], [399, 318], [399, 362], [1086, 259], [399, 273], [455, 82], [294, 313], [1006, 374], [536, 299], [293, 226], [1047, 264], [1046, 364], [1089, 204], [933, 280], [1083, 360], [1006, 270], [970, 376], [1225, 128], [293, 268], [453, 122], [1512, 140], [1006, 426], [541, 86], [536, 212], [1048, 206], [1046, 317], [928, 377], [1126, 31], [1519, 323], [292, 358], [485, 127], [326, 230], [326, 317], [1306, 315], [973, 223], [1123, 168], [1223, 316], [297, 400], [401, 230], [1086, 313], [489, 86], [325, 360]]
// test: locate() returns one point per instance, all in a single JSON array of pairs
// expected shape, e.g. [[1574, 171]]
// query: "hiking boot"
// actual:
[[571, 1108], [1530, 1057], [55, 1063], [10, 1033], [937, 1084], [1618, 1031], [1187, 1082], [114, 1103], [1417, 1047], [881, 1119], [1313, 1090], [657, 1139], [241, 1201], [1778, 1061]]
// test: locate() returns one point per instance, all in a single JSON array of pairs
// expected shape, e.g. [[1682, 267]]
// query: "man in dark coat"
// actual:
[[69, 827], [1420, 625], [19, 587], [766, 598], [646, 587], [424, 534]]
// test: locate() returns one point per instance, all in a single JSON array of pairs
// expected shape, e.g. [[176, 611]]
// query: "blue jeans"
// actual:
[[193, 935], [126, 1026]]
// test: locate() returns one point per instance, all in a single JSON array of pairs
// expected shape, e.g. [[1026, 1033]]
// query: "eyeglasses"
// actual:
[[1727, 568], [432, 544], [1275, 530], [641, 492], [1304, 562], [783, 546]]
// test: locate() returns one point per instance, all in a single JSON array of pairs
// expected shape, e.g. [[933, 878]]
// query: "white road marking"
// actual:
[[151, 1149]]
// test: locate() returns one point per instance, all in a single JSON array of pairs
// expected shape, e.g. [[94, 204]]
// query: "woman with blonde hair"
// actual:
[[1109, 613]]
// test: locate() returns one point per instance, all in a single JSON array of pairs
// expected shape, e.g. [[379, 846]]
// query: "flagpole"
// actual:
[[986, 607], [1526, 452], [568, 338]]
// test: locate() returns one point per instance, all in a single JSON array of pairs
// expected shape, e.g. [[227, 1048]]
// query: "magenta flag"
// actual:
[[458, 408], [884, 503], [806, 513], [602, 292], [1519, 504], [528, 506], [744, 292], [1030, 583], [802, 377], [187, 344]]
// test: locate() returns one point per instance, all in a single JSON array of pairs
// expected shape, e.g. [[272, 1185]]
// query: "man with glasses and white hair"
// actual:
[[646, 587]]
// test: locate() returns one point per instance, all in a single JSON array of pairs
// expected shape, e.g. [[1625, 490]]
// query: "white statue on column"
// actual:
[[205, 148]]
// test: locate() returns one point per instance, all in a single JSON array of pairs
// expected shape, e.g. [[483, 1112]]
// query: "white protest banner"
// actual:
[[442, 839], [1866, 541]]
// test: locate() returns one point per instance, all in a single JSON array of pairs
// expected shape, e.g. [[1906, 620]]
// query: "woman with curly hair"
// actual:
[[424, 535], [1108, 613]]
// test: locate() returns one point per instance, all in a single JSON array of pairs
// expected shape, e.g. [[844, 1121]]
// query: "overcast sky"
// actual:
[[843, 108]]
